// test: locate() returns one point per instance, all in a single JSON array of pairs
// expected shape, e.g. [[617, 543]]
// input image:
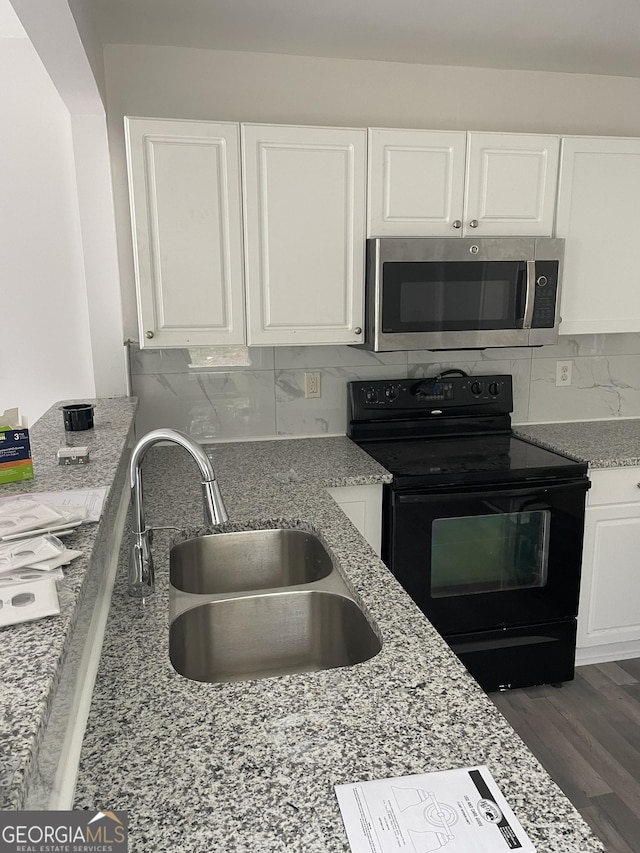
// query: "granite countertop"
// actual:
[[34, 653], [603, 444], [249, 766]]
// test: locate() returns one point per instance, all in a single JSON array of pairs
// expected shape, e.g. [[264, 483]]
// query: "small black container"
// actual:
[[78, 416]]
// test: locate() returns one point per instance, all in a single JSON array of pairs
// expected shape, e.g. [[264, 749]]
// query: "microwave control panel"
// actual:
[[546, 294]]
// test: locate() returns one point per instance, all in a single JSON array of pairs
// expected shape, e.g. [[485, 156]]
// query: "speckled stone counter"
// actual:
[[250, 766], [35, 654], [603, 444]]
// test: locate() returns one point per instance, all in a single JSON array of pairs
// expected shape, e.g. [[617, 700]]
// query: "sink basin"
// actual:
[[259, 636], [249, 560]]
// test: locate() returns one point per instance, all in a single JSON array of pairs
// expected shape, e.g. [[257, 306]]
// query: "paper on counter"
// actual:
[[91, 499], [458, 811]]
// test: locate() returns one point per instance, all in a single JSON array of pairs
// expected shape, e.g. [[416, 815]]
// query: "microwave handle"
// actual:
[[530, 295]]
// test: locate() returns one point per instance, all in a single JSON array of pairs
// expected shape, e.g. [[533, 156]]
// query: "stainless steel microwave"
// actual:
[[456, 293]]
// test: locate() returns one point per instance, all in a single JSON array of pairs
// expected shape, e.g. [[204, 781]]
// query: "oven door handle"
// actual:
[[538, 490]]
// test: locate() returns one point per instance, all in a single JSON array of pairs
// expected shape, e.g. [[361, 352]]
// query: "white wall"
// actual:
[[73, 63], [204, 84], [45, 352]]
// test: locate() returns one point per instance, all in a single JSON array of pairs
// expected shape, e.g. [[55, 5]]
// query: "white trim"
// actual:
[[608, 652]]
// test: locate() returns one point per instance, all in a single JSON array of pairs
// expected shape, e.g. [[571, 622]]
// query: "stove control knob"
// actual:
[[371, 395], [476, 388], [391, 392], [494, 389]]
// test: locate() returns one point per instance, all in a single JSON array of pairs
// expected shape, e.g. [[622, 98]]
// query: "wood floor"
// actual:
[[586, 734]]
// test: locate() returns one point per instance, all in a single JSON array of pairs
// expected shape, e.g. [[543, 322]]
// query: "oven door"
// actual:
[[484, 558]]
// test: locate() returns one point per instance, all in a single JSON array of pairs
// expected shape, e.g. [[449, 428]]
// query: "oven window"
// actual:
[[489, 553], [453, 296]]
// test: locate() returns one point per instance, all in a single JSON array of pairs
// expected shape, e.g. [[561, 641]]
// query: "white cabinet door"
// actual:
[[304, 192], [599, 217], [185, 192], [416, 182], [451, 184], [609, 609], [510, 185], [363, 507]]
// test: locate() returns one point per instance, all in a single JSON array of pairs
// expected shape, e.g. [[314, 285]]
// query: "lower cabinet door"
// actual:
[[363, 507], [609, 609]]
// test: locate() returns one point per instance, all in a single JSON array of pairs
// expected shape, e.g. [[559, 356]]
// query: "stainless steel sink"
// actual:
[[249, 560], [263, 635]]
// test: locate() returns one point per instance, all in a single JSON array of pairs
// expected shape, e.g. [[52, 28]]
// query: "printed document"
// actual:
[[456, 811]]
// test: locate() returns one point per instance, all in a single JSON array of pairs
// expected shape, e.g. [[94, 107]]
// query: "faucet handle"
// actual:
[[141, 570]]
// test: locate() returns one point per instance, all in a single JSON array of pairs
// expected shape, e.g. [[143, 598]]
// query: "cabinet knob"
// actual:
[[638, 485], [457, 223], [148, 335], [474, 223], [357, 330]]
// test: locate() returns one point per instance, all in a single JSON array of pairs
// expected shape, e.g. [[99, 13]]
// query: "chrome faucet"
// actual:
[[141, 571]]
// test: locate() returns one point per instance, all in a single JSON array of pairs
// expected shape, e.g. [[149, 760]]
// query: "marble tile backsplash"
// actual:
[[259, 392]]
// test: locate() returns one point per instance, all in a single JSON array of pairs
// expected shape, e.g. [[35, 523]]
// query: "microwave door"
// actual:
[[432, 296]]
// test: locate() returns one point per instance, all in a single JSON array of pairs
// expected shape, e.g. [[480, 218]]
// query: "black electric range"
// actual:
[[483, 529]]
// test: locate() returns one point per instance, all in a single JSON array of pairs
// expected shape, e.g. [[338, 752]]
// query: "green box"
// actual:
[[15, 455]]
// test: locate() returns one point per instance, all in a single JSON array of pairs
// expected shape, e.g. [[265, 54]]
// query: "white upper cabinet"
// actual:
[[304, 195], [598, 214], [416, 182], [511, 185], [447, 184], [185, 192]]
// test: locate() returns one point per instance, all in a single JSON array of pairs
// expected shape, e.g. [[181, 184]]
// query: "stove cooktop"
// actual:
[[483, 459], [451, 429]]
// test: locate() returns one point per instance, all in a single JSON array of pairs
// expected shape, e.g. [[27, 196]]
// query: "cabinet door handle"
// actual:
[[148, 335], [638, 485], [457, 223], [358, 331], [474, 223]]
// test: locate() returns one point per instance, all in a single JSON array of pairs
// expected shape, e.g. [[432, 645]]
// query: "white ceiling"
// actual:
[[591, 36]]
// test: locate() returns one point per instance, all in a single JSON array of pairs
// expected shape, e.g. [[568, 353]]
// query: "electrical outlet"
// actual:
[[312, 384], [563, 372]]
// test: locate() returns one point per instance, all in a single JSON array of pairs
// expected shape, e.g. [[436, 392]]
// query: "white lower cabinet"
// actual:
[[363, 507], [609, 612]]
